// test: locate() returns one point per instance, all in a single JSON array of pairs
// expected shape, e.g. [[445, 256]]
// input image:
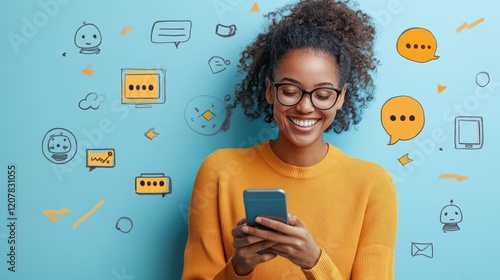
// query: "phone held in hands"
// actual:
[[269, 203]]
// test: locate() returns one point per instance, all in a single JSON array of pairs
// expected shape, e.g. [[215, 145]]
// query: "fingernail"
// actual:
[[244, 229], [258, 220]]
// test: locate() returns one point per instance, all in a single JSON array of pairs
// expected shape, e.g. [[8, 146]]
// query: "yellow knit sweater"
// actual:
[[348, 206]]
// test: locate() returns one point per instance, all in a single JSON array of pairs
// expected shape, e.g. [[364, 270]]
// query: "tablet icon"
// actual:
[[469, 132]]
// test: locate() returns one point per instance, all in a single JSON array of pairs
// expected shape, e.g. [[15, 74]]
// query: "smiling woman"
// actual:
[[309, 73], [302, 124]]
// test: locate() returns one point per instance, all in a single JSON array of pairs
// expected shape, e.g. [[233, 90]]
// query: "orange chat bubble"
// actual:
[[402, 118], [417, 44], [153, 183], [103, 158]]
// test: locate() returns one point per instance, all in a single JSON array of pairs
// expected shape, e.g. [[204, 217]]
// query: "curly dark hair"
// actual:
[[345, 34]]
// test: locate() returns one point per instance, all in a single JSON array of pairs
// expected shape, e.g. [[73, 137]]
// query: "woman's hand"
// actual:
[[292, 241], [246, 246]]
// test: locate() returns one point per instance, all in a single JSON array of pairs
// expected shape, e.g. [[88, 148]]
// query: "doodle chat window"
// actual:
[[141, 86]]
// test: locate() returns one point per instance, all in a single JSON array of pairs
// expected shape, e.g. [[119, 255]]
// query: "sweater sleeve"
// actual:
[[204, 256], [375, 254], [324, 269]]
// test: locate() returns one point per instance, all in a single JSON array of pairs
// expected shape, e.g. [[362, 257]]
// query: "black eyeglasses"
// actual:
[[322, 98]]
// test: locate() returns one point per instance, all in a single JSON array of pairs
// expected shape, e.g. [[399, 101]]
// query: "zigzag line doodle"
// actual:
[[51, 213], [99, 159]]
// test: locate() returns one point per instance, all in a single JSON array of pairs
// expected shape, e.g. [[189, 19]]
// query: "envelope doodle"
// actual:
[[422, 249]]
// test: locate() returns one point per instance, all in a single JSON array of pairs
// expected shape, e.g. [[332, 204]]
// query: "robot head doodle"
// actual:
[[88, 38], [450, 216], [59, 145]]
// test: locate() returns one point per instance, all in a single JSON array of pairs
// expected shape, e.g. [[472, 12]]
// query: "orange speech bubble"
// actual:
[[417, 44], [100, 158], [153, 183], [402, 118]]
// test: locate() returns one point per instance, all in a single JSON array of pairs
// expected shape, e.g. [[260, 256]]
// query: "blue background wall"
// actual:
[[95, 224]]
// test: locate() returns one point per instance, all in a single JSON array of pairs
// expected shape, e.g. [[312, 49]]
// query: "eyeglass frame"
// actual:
[[277, 85]]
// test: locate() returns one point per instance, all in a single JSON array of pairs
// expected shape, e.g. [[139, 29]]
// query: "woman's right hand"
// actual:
[[246, 246]]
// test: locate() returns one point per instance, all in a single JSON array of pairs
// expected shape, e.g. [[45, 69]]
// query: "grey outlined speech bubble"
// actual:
[[171, 31]]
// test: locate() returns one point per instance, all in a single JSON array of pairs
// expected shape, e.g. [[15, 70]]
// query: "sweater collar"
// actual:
[[332, 156]]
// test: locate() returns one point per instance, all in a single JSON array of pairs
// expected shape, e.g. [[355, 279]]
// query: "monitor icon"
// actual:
[[143, 87], [469, 132]]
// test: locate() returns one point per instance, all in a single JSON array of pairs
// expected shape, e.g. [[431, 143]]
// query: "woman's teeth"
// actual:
[[304, 123]]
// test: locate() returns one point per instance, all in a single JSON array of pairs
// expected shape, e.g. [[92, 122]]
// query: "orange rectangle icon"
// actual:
[[143, 86], [153, 183], [102, 158]]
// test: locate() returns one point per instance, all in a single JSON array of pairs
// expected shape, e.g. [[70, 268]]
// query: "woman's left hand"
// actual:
[[293, 240]]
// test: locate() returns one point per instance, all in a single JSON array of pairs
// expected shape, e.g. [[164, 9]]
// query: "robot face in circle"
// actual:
[[59, 146], [451, 214]]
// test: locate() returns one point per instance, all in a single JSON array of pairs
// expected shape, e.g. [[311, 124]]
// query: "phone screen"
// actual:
[[269, 203]]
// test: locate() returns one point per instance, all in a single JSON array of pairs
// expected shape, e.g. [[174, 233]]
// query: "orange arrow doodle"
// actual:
[[88, 214], [459, 178], [465, 25], [255, 8], [151, 134], [51, 213], [126, 29], [88, 71], [441, 88]]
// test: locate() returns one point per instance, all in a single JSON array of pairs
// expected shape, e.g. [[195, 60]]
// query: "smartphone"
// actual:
[[269, 203]]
